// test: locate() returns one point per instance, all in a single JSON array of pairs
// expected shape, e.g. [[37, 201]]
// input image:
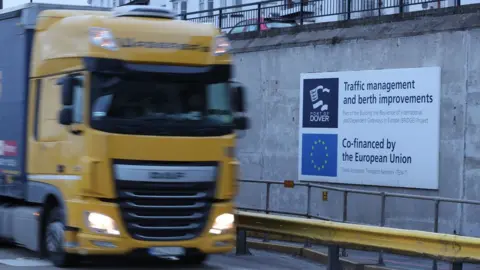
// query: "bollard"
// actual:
[[242, 248], [333, 258]]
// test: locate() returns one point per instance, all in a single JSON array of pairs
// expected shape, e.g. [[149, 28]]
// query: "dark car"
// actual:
[[251, 25]]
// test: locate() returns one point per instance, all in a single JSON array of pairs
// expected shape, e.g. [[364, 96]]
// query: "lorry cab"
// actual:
[[129, 138]]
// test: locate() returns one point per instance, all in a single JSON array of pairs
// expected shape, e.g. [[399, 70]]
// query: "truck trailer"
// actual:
[[117, 133]]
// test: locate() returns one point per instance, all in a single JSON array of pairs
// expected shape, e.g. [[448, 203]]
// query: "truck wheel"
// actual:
[[54, 240], [194, 258]]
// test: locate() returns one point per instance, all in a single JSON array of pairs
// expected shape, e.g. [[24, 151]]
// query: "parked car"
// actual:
[[251, 25]]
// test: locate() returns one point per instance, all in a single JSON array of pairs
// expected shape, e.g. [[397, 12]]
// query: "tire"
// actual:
[[54, 240], [196, 258]]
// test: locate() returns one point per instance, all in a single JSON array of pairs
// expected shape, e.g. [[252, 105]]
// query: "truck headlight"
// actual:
[[221, 46], [101, 223], [223, 223]]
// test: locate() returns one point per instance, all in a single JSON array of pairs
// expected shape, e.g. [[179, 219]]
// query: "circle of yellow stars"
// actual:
[[319, 144]]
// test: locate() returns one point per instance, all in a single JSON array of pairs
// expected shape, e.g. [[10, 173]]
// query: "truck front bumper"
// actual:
[[81, 240]]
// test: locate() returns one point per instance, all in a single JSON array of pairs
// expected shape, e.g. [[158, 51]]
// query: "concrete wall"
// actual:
[[270, 64]]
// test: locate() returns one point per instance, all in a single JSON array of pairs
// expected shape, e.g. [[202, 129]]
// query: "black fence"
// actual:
[[277, 13]]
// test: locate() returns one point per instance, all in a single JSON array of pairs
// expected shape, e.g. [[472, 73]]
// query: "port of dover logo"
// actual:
[[320, 103], [319, 154]]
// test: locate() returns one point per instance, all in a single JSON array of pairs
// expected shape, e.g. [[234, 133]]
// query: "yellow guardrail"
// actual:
[[446, 247]]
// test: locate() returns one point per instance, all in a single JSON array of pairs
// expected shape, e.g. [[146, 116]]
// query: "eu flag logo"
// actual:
[[319, 154]]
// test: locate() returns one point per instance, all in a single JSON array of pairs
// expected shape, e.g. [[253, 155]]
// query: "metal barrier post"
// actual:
[[309, 196], [242, 248], [267, 204], [309, 199], [333, 258], [349, 9], [344, 217], [301, 12], [382, 224], [457, 266], [220, 18], [435, 228], [259, 16], [401, 6]]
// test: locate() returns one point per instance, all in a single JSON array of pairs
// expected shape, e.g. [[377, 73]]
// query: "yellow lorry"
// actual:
[[117, 133]]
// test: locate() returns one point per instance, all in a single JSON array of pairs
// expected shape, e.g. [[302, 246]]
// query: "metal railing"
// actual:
[[345, 191], [302, 12], [455, 249]]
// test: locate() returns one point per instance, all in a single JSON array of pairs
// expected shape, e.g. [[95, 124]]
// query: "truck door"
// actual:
[[47, 133], [56, 150]]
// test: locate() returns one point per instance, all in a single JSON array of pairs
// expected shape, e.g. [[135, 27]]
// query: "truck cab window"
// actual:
[[150, 107], [78, 100]]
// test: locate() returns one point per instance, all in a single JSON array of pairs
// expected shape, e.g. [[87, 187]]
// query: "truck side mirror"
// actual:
[[238, 104], [65, 116], [67, 83], [241, 123], [238, 98]]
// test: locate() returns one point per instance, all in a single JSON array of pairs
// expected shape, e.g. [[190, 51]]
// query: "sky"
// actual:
[[12, 3]]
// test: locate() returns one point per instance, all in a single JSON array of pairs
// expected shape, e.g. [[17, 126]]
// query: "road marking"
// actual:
[[25, 262]]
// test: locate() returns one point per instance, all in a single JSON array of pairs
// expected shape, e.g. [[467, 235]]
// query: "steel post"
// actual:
[[334, 258], [242, 248]]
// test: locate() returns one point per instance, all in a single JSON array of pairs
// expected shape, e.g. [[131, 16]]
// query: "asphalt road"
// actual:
[[19, 258]]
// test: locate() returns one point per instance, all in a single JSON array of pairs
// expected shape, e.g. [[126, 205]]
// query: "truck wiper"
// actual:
[[156, 117]]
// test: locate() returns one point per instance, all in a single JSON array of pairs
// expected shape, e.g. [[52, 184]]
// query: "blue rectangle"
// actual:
[[14, 65], [319, 154], [320, 103]]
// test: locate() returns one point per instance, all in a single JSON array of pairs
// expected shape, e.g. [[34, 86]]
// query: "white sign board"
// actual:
[[373, 127]]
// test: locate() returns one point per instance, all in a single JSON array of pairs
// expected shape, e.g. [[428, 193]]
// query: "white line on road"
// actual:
[[25, 262]]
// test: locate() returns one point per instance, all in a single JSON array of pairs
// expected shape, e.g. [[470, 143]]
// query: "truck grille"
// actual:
[[164, 210]]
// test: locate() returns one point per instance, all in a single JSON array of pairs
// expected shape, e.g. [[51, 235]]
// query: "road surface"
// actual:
[[17, 258]]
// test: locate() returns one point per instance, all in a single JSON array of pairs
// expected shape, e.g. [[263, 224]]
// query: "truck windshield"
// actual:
[[148, 107]]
